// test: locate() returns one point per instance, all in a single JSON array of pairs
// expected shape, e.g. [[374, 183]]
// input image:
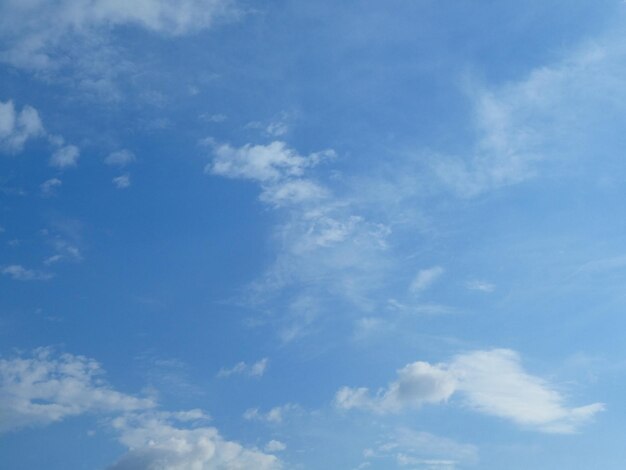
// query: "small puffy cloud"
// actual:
[[44, 388], [425, 278], [18, 127], [418, 384], [158, 441], [252, 370], [120, 158], [491, 382], [122, 181], [262, 163], [277, 168], [20, 273], [275, 446], [49, 187], [275, 415], [65, 157]]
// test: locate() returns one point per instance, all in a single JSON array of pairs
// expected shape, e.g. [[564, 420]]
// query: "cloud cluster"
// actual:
[[45, 388], [17, 127], [278, 168], [491, 382], [36, 32], [157, 441], [323, 243]]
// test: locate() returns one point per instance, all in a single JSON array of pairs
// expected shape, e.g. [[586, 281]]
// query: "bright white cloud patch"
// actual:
[[156, 442], [256, 369], [491, 382], [275, 166], [45, 388], [20, 273], [16, 127], [65, 157]]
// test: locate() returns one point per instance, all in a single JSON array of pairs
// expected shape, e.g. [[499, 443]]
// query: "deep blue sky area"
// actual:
[[312, 235]]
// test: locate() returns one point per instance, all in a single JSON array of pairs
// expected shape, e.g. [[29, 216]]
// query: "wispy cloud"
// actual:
[[275, 415], [20, 273], [49, 187], [425, 278], [256, 369]]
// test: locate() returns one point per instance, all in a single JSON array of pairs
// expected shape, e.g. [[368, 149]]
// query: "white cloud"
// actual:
[[277, 168], [20, 273], [18, 127], [36, 33], [156, 441], [65, 157], [256, 369], [120, 158], [425, 278], [49, 187], [122, 181], [418, 384], [491, 382], [494, 382], [423, 450], [275, 446], [482, 286], [262, 163], [534, 124], [45, 388], [275, 415]]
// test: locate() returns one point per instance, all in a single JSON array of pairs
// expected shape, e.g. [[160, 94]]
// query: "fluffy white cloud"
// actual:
[[418, 383], [35, 32], [45, 388], [425, 278], [20, 273], [479, 285], [16, 127], [275, 446], [256, 369], [156, 441], [263, 163], [65, 157], [491, 382]]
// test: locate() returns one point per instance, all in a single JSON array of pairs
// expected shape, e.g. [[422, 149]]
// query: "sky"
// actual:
[[318, 235]]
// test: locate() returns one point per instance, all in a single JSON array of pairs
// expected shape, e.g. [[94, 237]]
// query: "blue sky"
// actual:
[[312, 235]]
